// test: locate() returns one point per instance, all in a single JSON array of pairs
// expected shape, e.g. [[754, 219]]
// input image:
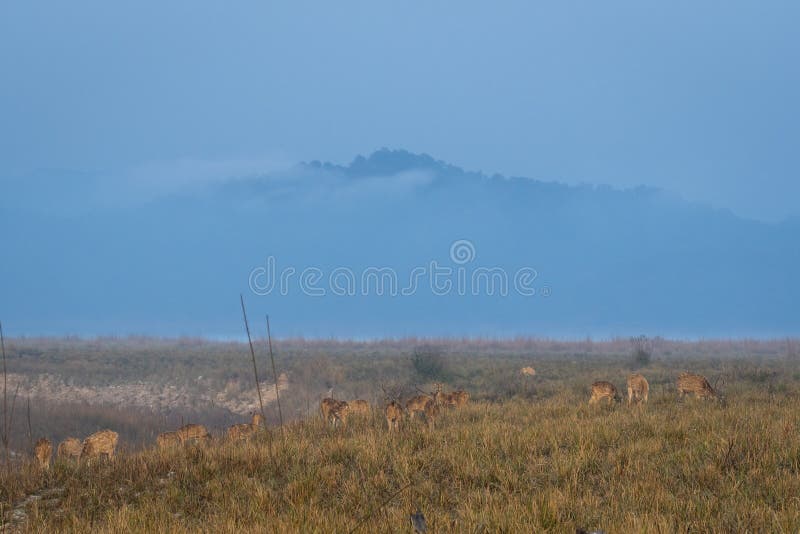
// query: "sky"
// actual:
[[699, 98]]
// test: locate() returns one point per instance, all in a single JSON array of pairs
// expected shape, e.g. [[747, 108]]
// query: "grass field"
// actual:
[[523, 457]]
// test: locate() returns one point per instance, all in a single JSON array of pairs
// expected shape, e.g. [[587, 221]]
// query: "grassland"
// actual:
[[525, 456]]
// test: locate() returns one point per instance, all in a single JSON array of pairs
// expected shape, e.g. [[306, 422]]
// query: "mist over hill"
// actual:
[[393, 244]]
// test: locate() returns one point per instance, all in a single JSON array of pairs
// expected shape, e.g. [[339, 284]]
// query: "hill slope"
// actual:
[[81, 257]]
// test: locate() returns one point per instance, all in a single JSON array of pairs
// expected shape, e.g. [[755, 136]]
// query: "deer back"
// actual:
[[69, 448]]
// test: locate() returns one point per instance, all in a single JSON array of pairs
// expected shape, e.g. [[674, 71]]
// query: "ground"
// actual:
[[537, 459]]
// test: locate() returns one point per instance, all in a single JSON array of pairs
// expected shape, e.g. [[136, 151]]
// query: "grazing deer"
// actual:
[[527, 371], [454, 399], [167, 440], [196, 433], [603, 390], [358, 407], [394, 414], [458, 399], [244, 430], [43, 450], [697, 384], [638, 388], [417, 404], [69, 449], [100, 443]]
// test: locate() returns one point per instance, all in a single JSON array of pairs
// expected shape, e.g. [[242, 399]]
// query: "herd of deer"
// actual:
[[638, 388], [335, 412], [200, 434], [102, 443]]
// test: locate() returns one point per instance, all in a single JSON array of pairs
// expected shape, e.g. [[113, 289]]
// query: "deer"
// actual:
[[638, 388], [339, 413], [193, 433], [527, 371], [431, 412], [100, 443], [69, 449], [358, 407], [458, 399], [167, 440], [43, 450], [454, 399], [697, 384], [394, 414], [333, 410], [326, 405], [243, 430], [417, 403], [603, 390], [439, 397], [393, 410]]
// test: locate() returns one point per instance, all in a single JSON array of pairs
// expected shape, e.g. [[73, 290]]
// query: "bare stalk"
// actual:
[[381, 506], [274, 374], [13, 405], [4, 437], [255, 373], [30, 432], [10, 424], [253, 355]]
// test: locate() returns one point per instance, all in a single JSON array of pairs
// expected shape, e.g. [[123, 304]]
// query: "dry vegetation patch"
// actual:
[[526, 454], [512, 466]]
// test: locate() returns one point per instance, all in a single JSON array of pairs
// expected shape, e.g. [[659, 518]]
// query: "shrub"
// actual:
[[428, 362], [642, 350]]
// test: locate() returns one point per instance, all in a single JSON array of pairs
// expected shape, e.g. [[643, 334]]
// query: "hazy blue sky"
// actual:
[[697, 97]]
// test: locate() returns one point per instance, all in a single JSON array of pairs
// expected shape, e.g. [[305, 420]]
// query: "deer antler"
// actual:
[[389, 395]]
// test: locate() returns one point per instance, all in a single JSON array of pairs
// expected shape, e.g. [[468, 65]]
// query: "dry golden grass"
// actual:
[[514, 466]]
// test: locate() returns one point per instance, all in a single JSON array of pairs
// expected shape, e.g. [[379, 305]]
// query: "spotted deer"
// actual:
[[243, 430], [454, 399], [69, 449], [393, 409], [193, 433], [638, 388], [458, 399], [334, 411], [439, 396], [603, 390], [394, 414], [358, 407], [167, 440], [527, 371], [326, 405], [43, 450], [339, 413], [102, 443], [416, 404], [697, 384], [431, 412]]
